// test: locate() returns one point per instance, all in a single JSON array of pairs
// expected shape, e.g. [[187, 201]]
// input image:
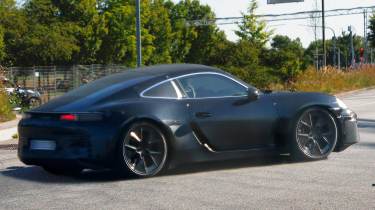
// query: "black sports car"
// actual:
[[147, 120]]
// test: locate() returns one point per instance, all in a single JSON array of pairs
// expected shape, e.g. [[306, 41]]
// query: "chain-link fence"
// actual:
[[53, 81]]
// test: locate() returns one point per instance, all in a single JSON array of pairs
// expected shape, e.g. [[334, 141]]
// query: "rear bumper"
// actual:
[[348, 130], [90, 145]]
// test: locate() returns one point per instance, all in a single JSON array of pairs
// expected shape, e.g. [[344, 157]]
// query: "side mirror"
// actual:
[[253, 95]]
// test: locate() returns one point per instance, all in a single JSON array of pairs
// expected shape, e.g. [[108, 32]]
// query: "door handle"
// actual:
[[203, 114]]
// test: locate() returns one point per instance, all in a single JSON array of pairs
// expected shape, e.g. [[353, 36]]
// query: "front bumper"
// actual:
[[89, 145], [348, 129]]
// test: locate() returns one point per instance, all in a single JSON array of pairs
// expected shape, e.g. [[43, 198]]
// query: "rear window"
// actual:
[[109, 84]]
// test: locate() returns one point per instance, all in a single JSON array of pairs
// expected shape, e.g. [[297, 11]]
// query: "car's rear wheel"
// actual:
[[144, 150], [315, 135], [34, 102]]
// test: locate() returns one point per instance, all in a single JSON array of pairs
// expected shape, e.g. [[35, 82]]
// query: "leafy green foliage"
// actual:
[[285, 57], [55, 32], [252, 29], [2, 46], [87, 24], [5, 107], [13, 23], [371, 36]]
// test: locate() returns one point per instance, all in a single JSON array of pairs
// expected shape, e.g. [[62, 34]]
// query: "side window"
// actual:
[[211, 85], [164, 90]]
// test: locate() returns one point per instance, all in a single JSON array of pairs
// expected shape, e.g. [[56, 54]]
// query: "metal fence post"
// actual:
[[11, 74], [55, 79], [75, 76], [34, 77], [48, 89]]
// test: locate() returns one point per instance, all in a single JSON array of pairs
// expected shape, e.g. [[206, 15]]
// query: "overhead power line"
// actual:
[[282, 17]]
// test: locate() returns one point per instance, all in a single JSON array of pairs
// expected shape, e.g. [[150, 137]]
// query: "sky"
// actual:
[[296, 28]]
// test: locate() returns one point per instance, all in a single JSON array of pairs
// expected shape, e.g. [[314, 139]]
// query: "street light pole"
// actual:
[[324, 36], [334, 50], [365, 35], [351, 46], [138, 33]]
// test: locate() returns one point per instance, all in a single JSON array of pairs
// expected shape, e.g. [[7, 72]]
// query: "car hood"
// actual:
[[292, 100]]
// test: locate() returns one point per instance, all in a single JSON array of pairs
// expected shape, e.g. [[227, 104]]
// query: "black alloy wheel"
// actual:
[[145, 150], [315, 134], [34, 102]]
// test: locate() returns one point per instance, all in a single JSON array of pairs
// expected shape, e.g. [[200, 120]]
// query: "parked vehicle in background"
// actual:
[[25, 97]]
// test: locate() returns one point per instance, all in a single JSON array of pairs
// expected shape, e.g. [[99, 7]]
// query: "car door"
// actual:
[[223, 117]]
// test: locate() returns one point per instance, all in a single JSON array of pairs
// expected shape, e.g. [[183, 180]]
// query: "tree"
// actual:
[[14, 26], [183, 36], [371, 35], [207, 37], [159, 26], [88, 27], [285, 57], [2, 46], [48, 41], [119, 44], [251, 28]]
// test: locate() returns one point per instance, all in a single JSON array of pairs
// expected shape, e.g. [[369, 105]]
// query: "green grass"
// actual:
[[6, 113], [331, 80]]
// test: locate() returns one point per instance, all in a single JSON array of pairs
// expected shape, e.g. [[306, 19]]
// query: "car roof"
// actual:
[[168, 70]]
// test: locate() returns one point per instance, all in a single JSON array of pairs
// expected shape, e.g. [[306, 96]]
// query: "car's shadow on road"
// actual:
[[37, 174], [231, 164]]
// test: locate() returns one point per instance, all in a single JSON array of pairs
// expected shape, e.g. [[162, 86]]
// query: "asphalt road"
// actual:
[[344, 181]]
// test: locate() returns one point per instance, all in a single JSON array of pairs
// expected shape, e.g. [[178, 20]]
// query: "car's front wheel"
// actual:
[[144, 150], [315, 134]]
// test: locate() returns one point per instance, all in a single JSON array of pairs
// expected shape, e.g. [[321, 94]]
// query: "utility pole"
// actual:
[[339, 58], [334, 50], [138, 32], [315, 22], [324, 36], [365, 36], [351, 46]]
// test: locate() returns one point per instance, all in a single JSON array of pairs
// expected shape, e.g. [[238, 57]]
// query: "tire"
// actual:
[[66, 171], [143, 151], [34, 102], [314, 135]]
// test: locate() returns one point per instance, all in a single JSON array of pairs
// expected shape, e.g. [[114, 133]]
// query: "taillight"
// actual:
[[82, 117], [68, 117]]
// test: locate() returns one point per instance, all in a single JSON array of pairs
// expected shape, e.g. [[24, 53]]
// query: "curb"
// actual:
[[354, 91], [8, 146]]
